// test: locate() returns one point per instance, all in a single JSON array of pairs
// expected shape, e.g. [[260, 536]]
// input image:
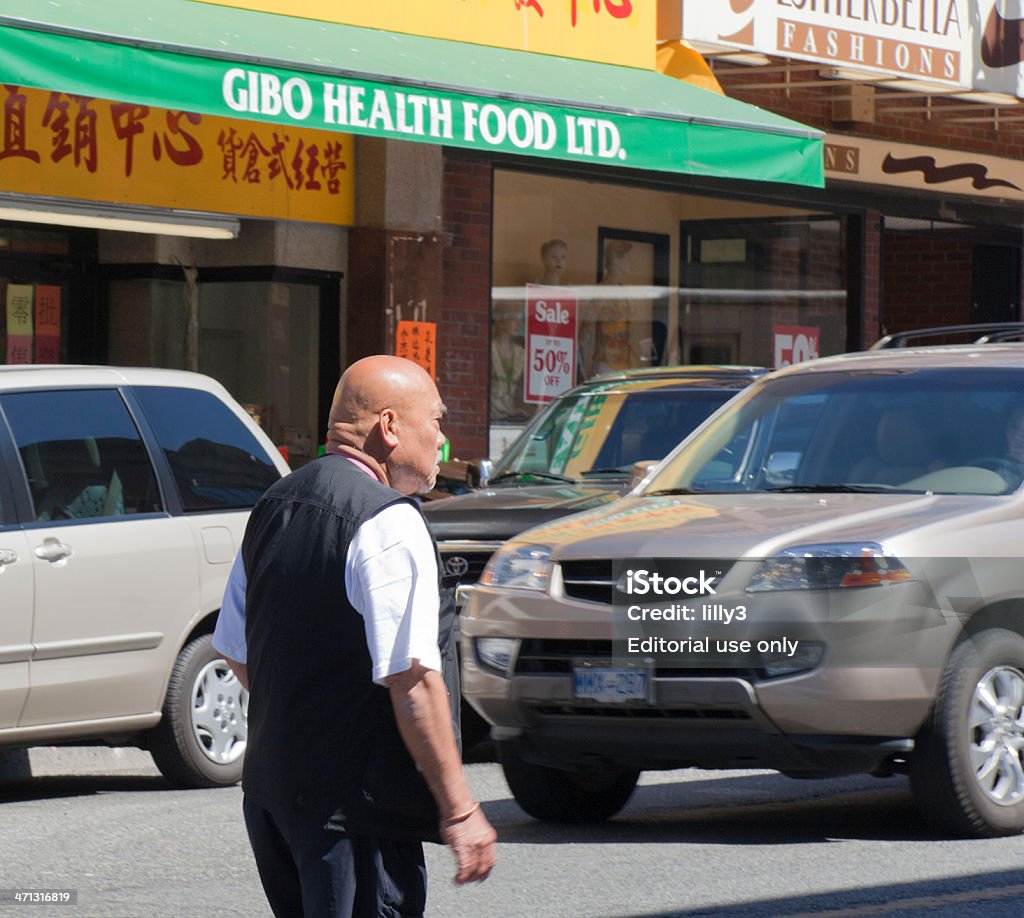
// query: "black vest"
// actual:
[[322, 735]]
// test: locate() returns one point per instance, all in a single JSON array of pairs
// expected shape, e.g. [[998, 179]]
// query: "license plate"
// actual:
[[609, 683]]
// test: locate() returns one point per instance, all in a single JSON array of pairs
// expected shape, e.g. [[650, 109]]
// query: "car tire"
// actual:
[[553, 795], [967, 771], [200, 740]]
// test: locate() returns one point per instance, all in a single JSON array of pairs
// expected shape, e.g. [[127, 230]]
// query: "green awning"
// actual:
[[191, 56]]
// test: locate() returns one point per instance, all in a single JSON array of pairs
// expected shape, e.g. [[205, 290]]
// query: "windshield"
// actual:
[[924, 431], [605, 433]]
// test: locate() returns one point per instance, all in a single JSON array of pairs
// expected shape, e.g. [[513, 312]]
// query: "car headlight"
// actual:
[[830, 566], [521, 567]]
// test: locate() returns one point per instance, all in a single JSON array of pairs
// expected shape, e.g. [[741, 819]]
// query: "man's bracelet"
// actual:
[[462, 817]]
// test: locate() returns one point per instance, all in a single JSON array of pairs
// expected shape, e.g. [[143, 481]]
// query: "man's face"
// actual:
[[413, 464]]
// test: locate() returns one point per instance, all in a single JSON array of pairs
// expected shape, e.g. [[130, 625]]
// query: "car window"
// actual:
[[609, 431], [649, 425], [82, 454], [938, 430], [217, 462], [6, 509], [545, 443]]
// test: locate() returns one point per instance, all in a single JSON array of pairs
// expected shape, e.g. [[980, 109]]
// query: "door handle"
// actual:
[[7, 556], [53, 550]]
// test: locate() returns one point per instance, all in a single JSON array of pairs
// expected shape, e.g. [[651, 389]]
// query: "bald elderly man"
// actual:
[[336, 620]]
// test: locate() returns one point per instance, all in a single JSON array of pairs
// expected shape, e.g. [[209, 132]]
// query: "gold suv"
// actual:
[[824, 578]]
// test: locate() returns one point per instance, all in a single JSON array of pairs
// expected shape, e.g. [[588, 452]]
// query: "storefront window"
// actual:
[[35, 296], [258, 338], [592, 277]]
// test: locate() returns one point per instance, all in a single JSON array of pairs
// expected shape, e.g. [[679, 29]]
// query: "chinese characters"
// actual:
[[261, 155], [618, 9]]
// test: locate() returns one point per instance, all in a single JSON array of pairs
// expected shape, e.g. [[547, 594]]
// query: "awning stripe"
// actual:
[[686, 130]]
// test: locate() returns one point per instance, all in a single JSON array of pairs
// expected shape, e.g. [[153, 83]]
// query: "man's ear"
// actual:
[[387, 424]]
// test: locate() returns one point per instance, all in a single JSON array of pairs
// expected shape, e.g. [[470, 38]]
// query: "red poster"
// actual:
[[47, 314], [795, 343], [550, 341], [417, 341]]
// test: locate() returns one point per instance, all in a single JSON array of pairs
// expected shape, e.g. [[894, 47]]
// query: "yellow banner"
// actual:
[[19, 323], [609, 31], [19, 309], [79, 147]]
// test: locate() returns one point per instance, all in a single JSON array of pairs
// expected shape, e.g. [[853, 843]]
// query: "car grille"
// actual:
[[541, 657], [465, 563], [594, 580], [590, 581]]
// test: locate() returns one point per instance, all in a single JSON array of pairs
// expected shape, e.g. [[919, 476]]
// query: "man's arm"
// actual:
[[391, 578], [229, 634], [420, 700], [240, 670]]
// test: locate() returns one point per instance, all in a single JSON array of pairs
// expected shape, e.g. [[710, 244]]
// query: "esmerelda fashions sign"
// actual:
[[967, 44], [913, 39], [403, 87]]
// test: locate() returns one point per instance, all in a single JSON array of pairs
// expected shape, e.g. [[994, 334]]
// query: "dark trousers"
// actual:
[[309, 871]]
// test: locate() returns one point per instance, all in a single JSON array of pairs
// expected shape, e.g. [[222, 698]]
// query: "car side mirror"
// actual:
[[479, 473], [780, 468], [640, 471]]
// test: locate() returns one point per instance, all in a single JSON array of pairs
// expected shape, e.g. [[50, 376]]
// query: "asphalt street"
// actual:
[[722, 845]]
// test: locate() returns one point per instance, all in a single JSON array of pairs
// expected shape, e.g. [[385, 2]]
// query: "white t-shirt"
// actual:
[[390, 579]]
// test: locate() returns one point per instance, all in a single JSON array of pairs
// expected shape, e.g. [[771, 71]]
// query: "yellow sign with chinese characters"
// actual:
[[609, 31], [78, 147]]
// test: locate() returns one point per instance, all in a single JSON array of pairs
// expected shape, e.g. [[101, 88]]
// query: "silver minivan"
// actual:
[[123, 497]]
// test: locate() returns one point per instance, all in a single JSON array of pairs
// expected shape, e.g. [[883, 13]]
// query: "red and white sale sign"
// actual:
[[795, 343], [550, 341]]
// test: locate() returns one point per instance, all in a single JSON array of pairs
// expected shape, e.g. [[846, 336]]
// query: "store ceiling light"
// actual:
[[121, 217]]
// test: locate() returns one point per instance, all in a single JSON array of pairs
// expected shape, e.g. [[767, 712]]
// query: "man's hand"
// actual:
[[473, 841]]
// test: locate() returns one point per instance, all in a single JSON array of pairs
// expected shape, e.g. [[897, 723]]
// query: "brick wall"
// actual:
[[927, 281], [464, 327], [900, 116], [871, 321]]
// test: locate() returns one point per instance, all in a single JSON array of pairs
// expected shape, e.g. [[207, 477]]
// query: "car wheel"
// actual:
[[554, 795], [968, 766], [200, 740]]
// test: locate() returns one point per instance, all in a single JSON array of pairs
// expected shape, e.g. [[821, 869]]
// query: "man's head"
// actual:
[[390, 409]]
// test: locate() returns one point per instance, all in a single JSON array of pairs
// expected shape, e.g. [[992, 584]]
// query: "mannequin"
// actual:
[[607, 334], [553, 255], [508, 361]]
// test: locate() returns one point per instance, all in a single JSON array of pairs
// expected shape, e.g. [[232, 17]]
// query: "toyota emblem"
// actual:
[[456, 565]]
